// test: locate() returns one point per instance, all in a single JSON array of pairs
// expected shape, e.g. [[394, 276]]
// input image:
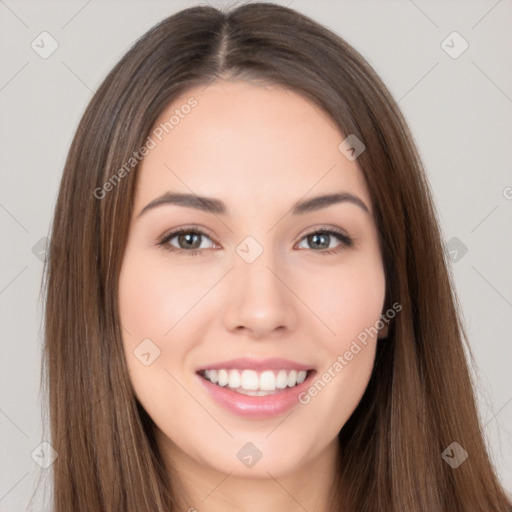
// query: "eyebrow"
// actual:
[[216, 206]]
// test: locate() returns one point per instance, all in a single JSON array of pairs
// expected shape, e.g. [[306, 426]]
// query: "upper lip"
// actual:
[[248, 363]]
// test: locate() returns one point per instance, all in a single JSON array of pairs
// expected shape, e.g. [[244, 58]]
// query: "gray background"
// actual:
[[459, 110]]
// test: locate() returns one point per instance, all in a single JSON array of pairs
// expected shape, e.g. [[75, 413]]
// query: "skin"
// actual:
[[259, 150]]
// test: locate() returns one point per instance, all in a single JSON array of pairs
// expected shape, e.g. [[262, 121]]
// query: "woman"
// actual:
[[201, 352]]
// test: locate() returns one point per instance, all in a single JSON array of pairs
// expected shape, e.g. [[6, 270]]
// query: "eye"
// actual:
[[188, 241], [322, 238]]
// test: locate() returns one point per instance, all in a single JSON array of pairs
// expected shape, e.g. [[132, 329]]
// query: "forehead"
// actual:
[[246, 143]]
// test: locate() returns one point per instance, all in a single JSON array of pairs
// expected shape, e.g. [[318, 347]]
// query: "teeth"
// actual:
[[292, 378], [267, 381], [223, 378], [250, 382], [234, 379], [212, 375], [282, 379]]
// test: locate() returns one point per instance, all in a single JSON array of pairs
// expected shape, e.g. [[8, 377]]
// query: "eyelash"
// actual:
[[346, 241]]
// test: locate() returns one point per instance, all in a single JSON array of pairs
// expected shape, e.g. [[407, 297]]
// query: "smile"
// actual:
[[253, 383], [255, 388]]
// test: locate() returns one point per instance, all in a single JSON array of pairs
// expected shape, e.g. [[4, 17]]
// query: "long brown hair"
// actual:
[[419, 399]]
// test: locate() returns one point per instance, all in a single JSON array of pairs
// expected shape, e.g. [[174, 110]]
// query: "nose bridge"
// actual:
[[258, 299]]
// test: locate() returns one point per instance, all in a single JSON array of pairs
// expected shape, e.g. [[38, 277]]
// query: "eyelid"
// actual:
[[187, 227], [171, 233], [343, 237], [324, 228]]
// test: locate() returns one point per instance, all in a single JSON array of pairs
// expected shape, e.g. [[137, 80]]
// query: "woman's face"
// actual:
[[252, 295]]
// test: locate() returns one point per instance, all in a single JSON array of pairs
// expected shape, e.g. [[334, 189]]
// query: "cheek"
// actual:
[[351, 308], [153, 297], [161, 302], [349, 300], [152, 300]]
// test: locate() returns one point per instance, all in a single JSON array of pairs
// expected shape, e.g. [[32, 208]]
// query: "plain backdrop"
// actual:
[[457, 103]]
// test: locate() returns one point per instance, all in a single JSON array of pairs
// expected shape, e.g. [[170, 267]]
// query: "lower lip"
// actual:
[[256, 406]]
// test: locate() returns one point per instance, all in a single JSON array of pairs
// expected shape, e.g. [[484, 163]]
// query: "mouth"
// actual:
[[254, 383], [256, 388]]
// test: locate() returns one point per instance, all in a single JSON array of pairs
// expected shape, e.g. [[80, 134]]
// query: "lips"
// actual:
[[255, 388], [247, 363]]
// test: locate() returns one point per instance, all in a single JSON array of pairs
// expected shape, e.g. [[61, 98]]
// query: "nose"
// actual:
[[261, 303]]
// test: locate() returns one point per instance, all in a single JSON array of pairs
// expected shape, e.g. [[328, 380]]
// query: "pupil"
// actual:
[[316, 238], [188, 239]]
